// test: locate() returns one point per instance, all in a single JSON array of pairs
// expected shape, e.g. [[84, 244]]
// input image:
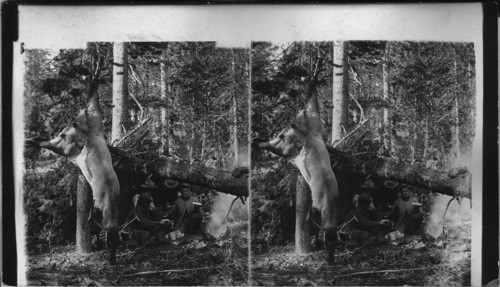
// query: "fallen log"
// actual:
[[458, 185], [196, 174], [385, 168]]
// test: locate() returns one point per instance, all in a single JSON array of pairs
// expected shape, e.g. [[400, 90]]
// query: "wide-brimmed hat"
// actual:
[[390, 184], [368, 184], [405, 187], [149, 183], [170, 183]]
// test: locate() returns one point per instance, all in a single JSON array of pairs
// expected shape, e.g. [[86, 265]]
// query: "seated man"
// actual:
[[186, 213], [366, 223], [406, 214], [145, 221]]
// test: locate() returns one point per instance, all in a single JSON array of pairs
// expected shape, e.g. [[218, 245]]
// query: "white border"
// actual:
[[237, 25]]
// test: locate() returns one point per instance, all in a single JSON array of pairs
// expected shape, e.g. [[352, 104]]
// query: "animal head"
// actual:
[[67, 143], [290, 140], [287, 143], [70, 141]]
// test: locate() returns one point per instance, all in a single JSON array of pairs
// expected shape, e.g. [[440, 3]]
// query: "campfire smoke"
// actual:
[[228, 211], [457, 214], [221, 220], [459, 211], [456, 256]]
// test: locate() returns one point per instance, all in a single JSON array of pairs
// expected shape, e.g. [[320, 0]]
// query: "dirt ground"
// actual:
[[217, 263], [412, 262], [415, 261]]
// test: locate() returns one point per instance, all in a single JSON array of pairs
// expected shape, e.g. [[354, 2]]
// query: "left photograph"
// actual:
[[136, 164]]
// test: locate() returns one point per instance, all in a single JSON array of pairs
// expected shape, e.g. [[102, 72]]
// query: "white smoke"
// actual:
[[220, 220], [458, 213]]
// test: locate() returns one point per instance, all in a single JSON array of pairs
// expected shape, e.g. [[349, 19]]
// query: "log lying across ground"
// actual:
[[458, 184], [386, 168], [197, 174]]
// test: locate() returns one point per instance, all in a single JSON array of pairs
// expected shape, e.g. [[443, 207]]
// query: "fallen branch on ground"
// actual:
[[168, 271], [140, 248], [351, 252], [382, 271]]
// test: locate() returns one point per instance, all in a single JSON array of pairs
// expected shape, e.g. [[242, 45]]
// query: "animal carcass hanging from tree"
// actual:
[[83, 143]]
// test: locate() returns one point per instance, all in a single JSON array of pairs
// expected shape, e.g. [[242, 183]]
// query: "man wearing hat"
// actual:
[[148, 185], [382, 196], [186, 212], [145, 221], [369, 188], [406, 213], [367, 223]]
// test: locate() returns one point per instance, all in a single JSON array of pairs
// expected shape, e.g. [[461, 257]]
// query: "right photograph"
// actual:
[[361, 163]]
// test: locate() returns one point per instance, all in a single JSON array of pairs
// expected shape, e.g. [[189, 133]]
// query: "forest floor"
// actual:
[[191, 262], [412, 262]]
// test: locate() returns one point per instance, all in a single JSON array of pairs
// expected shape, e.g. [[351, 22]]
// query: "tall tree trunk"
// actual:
[[235, 141], [84, 196], [426, 136], [192, 150], [133, 113], [385, 97], [83, 207], [203, 139], [456, 117], [340, 89], [165, 137], [414, 155], [158, 128], [120, 90], [416, 144], [151, 113], [191, 144], [302, 206]]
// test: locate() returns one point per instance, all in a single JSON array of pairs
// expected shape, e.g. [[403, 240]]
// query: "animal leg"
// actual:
[[330, 244], [310, 218], [329, 224], [91, 217], [91, 212], [112, 240]]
